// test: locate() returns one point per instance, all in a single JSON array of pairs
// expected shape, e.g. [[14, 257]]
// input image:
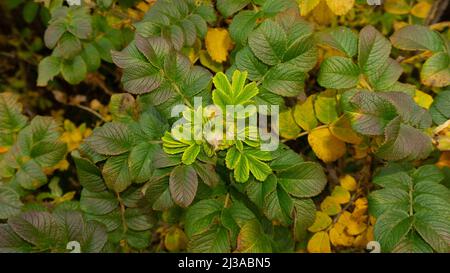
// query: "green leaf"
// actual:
[[89, 175], [417, 37], [268, 42], [91, 57], [104, 47], [228, 8], [80, 23], [301, 52], [412, 243], [30, 175], [278, 204], [138, 219], [140, 74], [139, 240], [235, 93], [338, 72], [340, 38], [190, 154], [141, 161], [10, 242], [116, 173], [48, 153], [98, 203], [201, 216], [30, 11], [113, 138], [67, 47], [246, 61], [305, 179], [384, 200], [74, 71], [70, 223], [183, 185], [94, 237], [10, 203], [440, 109], [54, 32], [386, 76], [48, 68], [391, 228], [373, 50], [11, 118], [434, 229], [408, 110], [325, 106], [38, 228], [158, 194], [436, 70], [304, 216], [373, 115], [242, 25], [285, 80], [252, 239], [207, 173], [411, 200], [213, 240], [404, 142]]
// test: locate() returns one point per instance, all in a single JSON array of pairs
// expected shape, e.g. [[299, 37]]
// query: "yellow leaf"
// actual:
[[423, 99], [340, 7], [444, 160], [356, 227], [3, 149], [421, 9], [319, 243], [143, 6], [321, 222], [360, 151], [364, 238], [342, 129], [361, 202], [304, 114], [218, 43], [322, 13], [330, 206], [325, 145], [397, 7], [306, 6], [206, 61], [348, 182], [341, 195], [345, 218], [359, 212], [288, 127], [399, 24], [338, 237], [175, 240], [441, 136], [66, 197]]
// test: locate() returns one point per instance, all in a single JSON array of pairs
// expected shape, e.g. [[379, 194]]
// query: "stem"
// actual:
[[122, 212], [90, 111], [227, 200]]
